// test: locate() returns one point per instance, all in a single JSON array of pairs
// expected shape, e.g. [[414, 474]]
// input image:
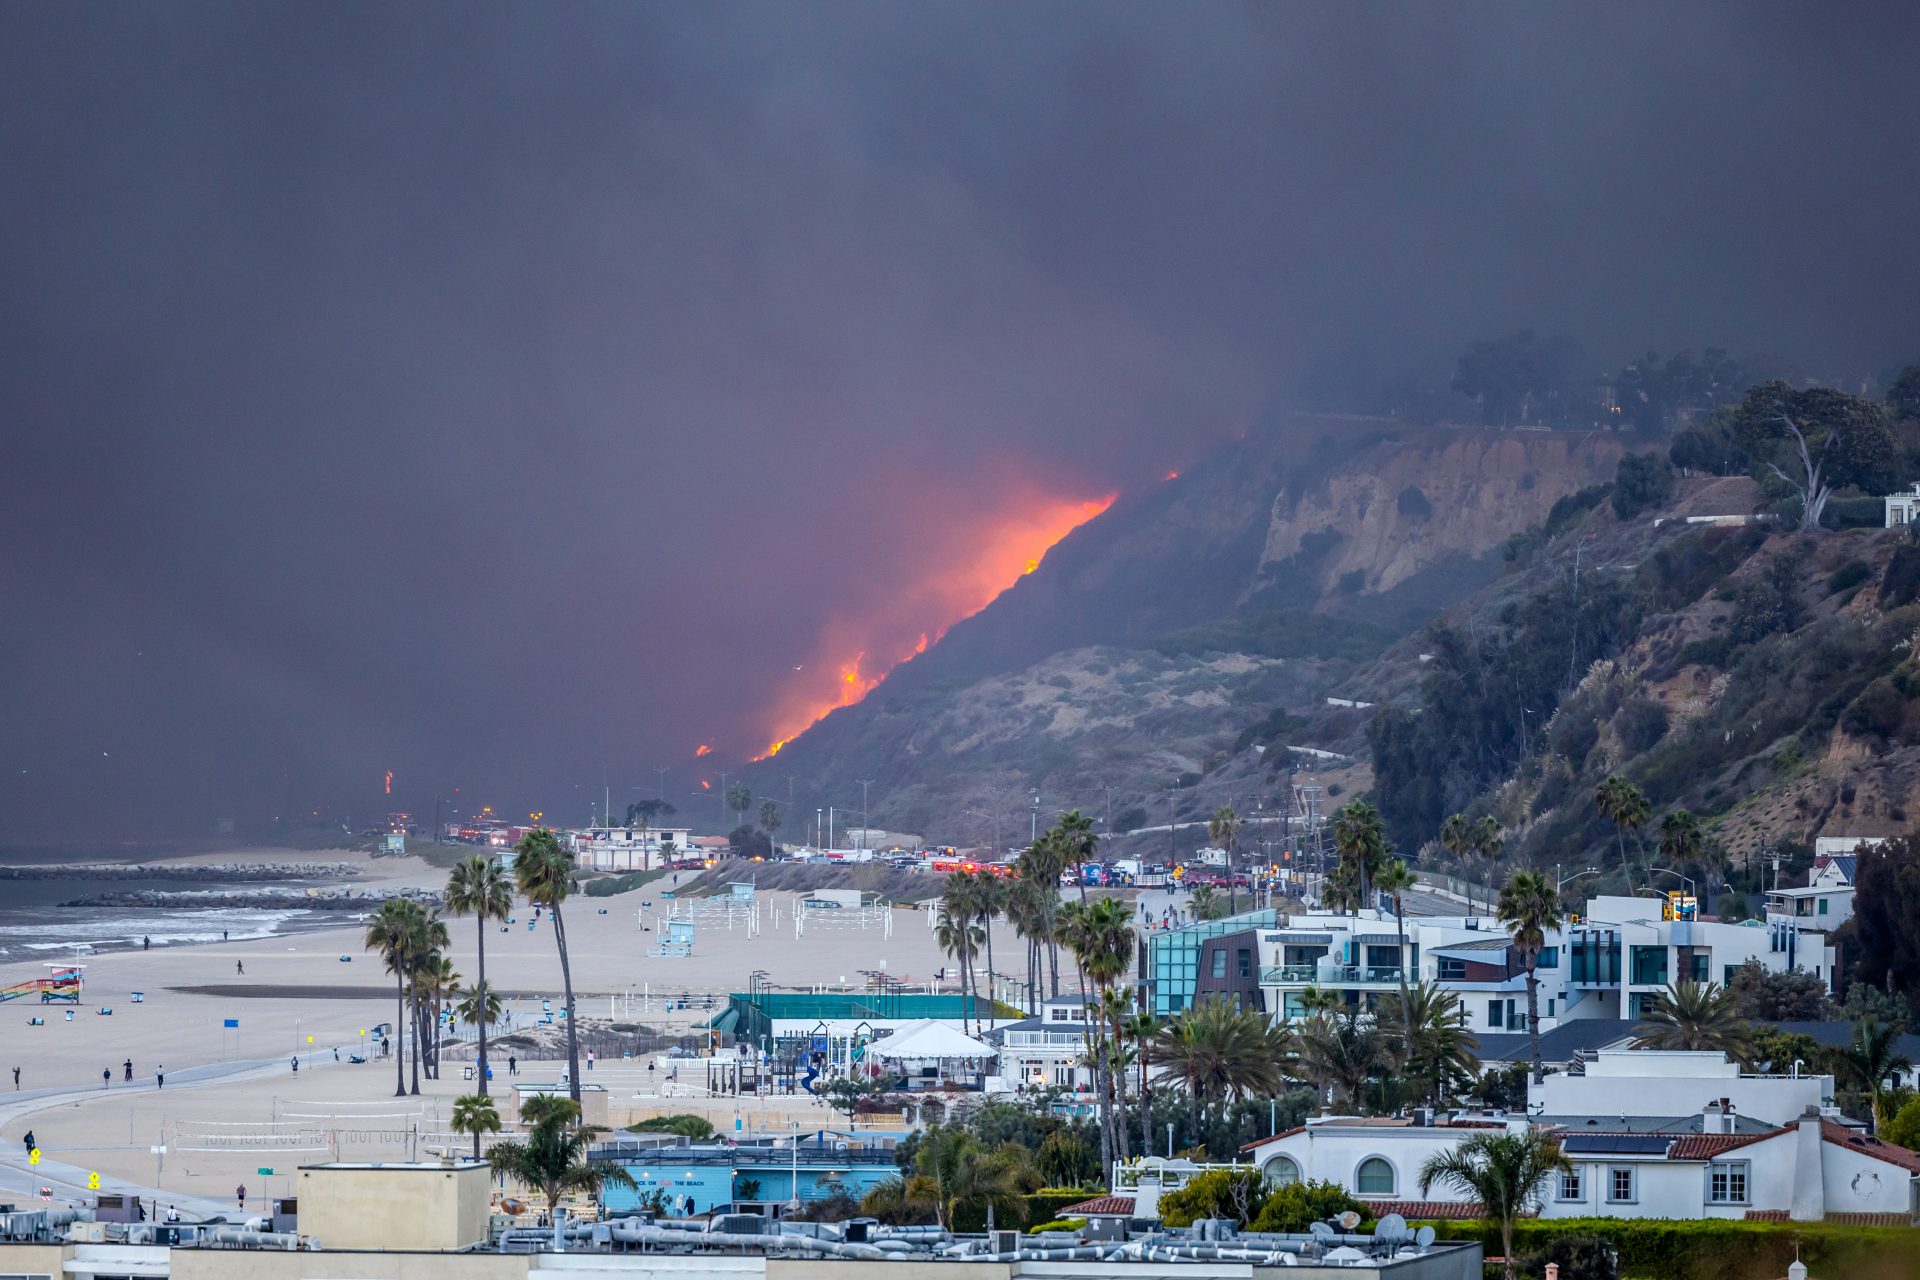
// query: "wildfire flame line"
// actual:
[[1024, 545]]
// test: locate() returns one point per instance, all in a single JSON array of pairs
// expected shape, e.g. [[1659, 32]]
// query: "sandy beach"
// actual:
[[310, 994]]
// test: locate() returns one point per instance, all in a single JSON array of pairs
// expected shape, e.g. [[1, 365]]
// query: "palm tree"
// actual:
[[1486, 839], [435, 986], [1219, 1052], [1439, 1051], [965, 1176], [1394, 880], [1682, 840], [1530, 909], [1693, 1015], [1044, 863], [474, 1113], [1456, 837], [1621, 803], [1503, 1172], [545, 875], [552, 1158], [1871, 1059], [1341, 1053], [1116, 1009], [1360, 841], [1142, 1030], [1223, 828], [990, 898], [481, 1011], [769, 823], [479, 888], [739, 799], [395, 931], [957, 935], [1078, 843], [1028, 910]]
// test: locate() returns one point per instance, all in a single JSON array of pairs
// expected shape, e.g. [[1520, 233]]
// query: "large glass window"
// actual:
[[1496, 1013], [1219, 964], [1700, 967], [1650, 965], [1452, 969], [1374, 1177], [1281, 1171]]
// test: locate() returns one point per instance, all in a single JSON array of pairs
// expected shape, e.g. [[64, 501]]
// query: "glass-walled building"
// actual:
[[1213, 957]]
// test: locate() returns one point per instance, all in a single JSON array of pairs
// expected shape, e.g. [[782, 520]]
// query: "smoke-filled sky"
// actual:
[[490, 392]]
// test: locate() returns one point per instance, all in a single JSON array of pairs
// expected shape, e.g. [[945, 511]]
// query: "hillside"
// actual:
[[1143, 647], [1760, 681]]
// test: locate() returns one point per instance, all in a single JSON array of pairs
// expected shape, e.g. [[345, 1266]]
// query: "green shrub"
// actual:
[[1710, 651], [1716, 1249], [1854, 513], [687, 1126], [1297, 1205], [1850, 574], [1900, 584], [607, 886], [1643, 480], [1877, 712], [1578, 1257], [1239, 1194], [1640, 724], [1045, 1204], [1059, 1224], [1904, 1129]]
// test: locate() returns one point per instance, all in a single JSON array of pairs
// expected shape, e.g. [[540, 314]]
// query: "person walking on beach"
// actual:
[[31, 1144], [239, 966], [223, 935], [160, 1076], [513, 1065], [146, 944], [240, 1195], [16, 1079], [589, 1059], [128, 1067], [296, 1066], [106, 1078]]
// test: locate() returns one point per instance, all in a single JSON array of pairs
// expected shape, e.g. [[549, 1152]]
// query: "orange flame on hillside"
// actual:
[[705, 785], [1011, 549], [389, 782], [701, 750]]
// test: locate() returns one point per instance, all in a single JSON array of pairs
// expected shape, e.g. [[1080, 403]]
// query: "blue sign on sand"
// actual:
[[231, 1022]]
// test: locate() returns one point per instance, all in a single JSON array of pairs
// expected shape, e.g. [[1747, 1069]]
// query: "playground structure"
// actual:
[[873, 916], [62, 985]]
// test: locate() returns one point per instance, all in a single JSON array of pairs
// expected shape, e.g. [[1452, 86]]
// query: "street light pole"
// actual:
[[866, 827]]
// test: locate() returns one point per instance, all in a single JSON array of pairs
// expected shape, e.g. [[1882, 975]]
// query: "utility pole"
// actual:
[[723, 799], [866, 827], [606, 803], [1033, 827], [661, 769]]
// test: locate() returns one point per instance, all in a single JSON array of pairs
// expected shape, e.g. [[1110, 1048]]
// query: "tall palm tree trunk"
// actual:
[[1406, 1010], [416, 1042], [1533, 1019], [482, 931], [400, 1030], [986, 921], [573, 1033]]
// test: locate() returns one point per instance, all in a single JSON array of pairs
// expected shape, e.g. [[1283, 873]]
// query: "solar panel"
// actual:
[[1616, 1144]]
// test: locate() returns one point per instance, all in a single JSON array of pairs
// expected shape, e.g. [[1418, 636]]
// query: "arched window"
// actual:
[[1281, 1171], [1374, 1177]]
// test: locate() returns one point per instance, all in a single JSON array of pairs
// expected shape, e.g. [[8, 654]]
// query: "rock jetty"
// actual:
[[199, 871], [276, 898]]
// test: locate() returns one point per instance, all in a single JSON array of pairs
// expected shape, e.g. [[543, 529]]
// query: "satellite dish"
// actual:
[[1348, 1220], [1320, 1230], [1423, 1237], [1391, 1227]]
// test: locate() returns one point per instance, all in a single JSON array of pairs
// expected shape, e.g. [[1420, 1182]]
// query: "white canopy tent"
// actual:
[[927, 1040]]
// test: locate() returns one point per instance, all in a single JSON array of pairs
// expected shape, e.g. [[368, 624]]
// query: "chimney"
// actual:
[[1713, 1118], [1809, 1203]]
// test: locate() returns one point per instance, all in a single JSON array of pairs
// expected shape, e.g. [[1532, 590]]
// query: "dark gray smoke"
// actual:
[[487, 392]]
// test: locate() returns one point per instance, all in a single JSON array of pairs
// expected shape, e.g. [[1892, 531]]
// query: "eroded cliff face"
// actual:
[[1406, 505]]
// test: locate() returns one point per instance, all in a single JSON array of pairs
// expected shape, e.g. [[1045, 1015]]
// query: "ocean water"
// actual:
[[33, 924]]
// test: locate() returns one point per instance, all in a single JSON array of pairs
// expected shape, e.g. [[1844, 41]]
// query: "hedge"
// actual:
[[1043, 1205], [1716, 1248]]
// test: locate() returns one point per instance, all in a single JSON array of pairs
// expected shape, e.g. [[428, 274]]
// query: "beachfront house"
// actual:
[[626, 848]]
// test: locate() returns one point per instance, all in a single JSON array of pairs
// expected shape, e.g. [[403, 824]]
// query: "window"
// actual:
[[1571, 1187], [1620, 1186], [1649, 966], [1727, 1182], [1699, 967], [1823, 906], [1374, 1177], [1452, 969], [1281, 1171], [1219, 964], [1549, 958], [1496, 1012], [1245, 957]]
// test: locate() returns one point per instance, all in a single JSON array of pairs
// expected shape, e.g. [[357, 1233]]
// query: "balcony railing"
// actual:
[[1347, 975]]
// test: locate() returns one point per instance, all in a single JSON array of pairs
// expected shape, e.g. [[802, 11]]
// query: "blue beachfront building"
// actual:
[[701, 1177]]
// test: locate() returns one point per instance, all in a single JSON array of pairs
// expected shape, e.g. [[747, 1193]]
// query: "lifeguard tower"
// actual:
[[62, 985]]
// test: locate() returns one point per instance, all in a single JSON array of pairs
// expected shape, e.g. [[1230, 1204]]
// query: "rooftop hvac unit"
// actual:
[[1006, 1242]]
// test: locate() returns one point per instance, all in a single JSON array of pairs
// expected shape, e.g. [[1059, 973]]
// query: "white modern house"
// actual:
[[1648, 1135], [626, 848], [1619, 956]]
